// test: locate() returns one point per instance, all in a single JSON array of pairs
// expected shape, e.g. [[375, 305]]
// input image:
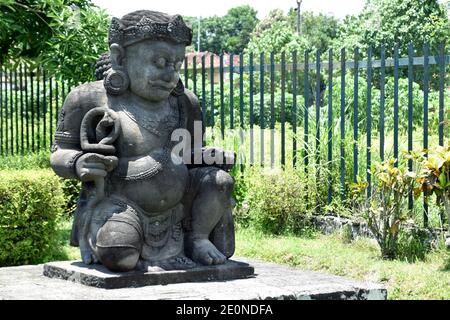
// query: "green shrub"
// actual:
[[31, 204], [71, 190], [384, 208], [40, 159], [275, 201], [413, 244]]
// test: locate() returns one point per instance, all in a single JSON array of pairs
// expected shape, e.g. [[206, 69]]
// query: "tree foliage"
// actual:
[[64, 36], [389, 22], [318, 30], [229, 33], [275, 33]]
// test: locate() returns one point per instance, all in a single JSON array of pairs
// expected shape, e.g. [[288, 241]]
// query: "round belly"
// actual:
[[155, 183]]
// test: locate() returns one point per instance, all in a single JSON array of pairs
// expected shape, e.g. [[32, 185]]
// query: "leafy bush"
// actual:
[[71, 189], [413, 244], [41, 160], [383, 209], [30, 205], [275, 201], [38, 160], [434, 178]]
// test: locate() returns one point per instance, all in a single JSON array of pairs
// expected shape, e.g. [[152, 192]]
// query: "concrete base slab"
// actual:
[[271, 281], [99, 276]]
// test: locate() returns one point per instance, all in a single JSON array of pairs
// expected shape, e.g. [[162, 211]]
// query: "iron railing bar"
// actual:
[[389, 62]]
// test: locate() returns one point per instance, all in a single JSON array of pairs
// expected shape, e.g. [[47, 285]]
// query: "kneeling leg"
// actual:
[[119, 242], [211, 219]]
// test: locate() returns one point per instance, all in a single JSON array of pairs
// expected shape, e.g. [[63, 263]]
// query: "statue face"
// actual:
[[153, 67]]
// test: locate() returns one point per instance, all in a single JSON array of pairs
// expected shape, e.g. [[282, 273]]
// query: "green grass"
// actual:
[[360, 259], [428, 279]]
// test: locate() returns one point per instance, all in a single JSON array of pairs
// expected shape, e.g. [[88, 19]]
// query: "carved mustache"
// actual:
[[163, 85]]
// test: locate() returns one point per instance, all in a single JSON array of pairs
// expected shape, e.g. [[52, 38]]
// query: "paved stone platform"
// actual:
[[99, 276], [271, 281]]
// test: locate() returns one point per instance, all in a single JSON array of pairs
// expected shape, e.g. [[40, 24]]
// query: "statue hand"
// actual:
[[91, 166]]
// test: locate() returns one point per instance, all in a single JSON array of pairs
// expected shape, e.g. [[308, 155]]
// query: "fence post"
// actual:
[[410, 113], [355, 114], [16, 111], [382, 98], [441, 93], [38, 110], [1, 110], [396, 104], [369, 119], [32, 110], [27, 131], [203, 90], [211, 70], [342, 116], [232, 91], [426, 70], [11, 111], [318, 85], [241, 104], [294, 108], [194, 74], [51, 111], [21, 109], [252, 141], [272, 110], [283, 112], [306, 115], [330, 125], [222, 104], [44, 108], [261, 106]]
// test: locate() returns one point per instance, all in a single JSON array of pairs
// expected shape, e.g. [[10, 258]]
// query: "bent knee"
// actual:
[[119, 243], [219, 180]]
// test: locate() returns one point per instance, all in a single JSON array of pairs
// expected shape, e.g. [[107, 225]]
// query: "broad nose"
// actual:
[[169, 74]]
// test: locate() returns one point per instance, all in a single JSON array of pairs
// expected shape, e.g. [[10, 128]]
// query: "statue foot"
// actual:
[[204, 252], [175, 263], [86, 254]]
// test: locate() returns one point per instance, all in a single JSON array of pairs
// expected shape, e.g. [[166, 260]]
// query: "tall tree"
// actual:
[[229, 33], [318, 30], [391, 21], [65, 36]]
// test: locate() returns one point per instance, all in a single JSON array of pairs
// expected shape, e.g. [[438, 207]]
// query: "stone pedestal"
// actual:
[[99, 276], [271, 281]]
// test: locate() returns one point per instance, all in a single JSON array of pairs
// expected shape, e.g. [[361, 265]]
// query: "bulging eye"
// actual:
[[160, 63]]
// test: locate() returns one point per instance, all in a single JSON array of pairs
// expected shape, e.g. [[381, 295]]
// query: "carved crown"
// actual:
[[175, 30]]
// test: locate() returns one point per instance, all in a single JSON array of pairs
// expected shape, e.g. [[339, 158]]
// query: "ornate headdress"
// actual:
[[152, 25]]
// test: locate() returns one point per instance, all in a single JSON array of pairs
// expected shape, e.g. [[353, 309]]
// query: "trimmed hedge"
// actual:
[[31, 204]]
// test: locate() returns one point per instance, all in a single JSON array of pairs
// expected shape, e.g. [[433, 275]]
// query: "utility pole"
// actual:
[[299, 30], [198, 34]]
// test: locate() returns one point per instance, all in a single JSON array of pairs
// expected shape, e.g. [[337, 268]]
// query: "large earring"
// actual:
[[116, 81]]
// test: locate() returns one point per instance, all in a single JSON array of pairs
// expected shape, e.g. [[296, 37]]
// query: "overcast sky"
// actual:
[[206, 8]]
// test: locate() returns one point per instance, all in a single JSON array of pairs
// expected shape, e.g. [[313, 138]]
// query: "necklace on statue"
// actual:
[[145, 119]]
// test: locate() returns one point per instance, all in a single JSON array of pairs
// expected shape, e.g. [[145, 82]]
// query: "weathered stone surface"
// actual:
[[272, 281], [99, 276], [153, 193]]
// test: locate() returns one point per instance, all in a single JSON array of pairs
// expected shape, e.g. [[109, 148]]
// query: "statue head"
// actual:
[[147, 50]]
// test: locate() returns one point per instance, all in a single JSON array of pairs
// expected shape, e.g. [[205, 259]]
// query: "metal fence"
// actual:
[[302, 98], [427, 69], [30, 102]]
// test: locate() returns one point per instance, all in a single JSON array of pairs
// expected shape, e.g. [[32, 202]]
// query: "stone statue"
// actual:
[[141, 206]]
